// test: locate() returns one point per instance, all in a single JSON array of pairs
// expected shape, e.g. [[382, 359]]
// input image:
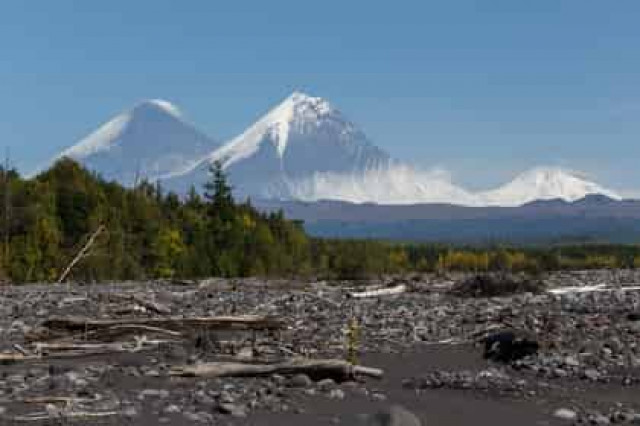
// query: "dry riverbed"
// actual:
[[121, 368]]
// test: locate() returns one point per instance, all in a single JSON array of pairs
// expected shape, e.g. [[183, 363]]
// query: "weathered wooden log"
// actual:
[[117, 332], [316, 369], [6, 358], [379, 292], [149, 305], [57, 327], [81, 254], [61, 415]]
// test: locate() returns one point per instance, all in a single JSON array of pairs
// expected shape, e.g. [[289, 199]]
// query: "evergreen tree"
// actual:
[[219, 193]]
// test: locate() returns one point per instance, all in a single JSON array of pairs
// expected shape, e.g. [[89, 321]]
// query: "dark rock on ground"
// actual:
[[508, 346], [395, 415]]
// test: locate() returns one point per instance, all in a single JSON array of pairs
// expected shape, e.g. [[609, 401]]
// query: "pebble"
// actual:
[[336, 394], [326, 385], [234, 410], [171, 409], [592, 374], [300, 381], [565, 414], [393, 416]]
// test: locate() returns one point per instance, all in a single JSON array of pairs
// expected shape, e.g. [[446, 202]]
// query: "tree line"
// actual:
[[152, 234]]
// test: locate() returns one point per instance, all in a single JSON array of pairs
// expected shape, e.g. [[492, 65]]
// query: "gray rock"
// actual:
[[234, 410], [377, 396], [592, 374], [130, 411], [153, 393], [393, 416], [326, 385], [199, 417], [571, 361], [599, 419], [300, 381], [336, 394], [565, 414], [171, 409]]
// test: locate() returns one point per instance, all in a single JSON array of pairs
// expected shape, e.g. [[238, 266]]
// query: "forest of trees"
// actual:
[[150, 234]]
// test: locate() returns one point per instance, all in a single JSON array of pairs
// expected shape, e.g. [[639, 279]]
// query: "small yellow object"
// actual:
[[353, 335]]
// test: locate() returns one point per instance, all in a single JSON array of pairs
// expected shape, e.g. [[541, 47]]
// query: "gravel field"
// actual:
[[427, 339]]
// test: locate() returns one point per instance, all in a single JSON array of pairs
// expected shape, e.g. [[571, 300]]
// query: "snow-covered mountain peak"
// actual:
[[544, 183], [306, 106], [301, 136], [156, 106], [151, 141], [299, 114]]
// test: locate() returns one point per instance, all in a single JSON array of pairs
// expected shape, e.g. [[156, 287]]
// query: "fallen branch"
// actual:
[[38, 417], [387, 291], [66, 400], [149, 305], [11, 358], [58, 327], [81, 254], [119, 331], [316, 369]]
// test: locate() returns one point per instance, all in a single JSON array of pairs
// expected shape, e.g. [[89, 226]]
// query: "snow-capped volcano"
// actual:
[[543, 183], [150, 141], [303, 149], [297, 139]]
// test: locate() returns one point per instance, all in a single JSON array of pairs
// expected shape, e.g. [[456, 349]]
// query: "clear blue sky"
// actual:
[[482, 88]]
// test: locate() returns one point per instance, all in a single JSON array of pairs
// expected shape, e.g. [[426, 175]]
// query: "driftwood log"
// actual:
[[316, 369], [6, 358], [149, 305], [379, 292], [88, 328], [81, 254]]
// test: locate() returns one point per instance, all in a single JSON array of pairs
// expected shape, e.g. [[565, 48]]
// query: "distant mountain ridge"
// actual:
[[592, 219], [302, 149]]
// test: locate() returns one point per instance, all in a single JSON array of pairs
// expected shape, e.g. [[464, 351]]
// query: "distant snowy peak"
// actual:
[[300, 137], [151, 141], [297, 116], [304, 148], [109, 134], [543, 183]]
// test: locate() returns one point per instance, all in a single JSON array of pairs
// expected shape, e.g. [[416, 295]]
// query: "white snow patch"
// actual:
[[101, 140], [166, 106]]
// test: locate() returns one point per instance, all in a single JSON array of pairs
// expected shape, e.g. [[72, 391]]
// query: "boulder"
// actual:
[[395, 415], [509, 345]]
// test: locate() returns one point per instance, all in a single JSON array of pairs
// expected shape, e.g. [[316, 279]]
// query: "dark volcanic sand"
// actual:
[[441, 407], [591, 334]]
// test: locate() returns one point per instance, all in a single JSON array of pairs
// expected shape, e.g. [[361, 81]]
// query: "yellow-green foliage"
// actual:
[[463, 261]]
